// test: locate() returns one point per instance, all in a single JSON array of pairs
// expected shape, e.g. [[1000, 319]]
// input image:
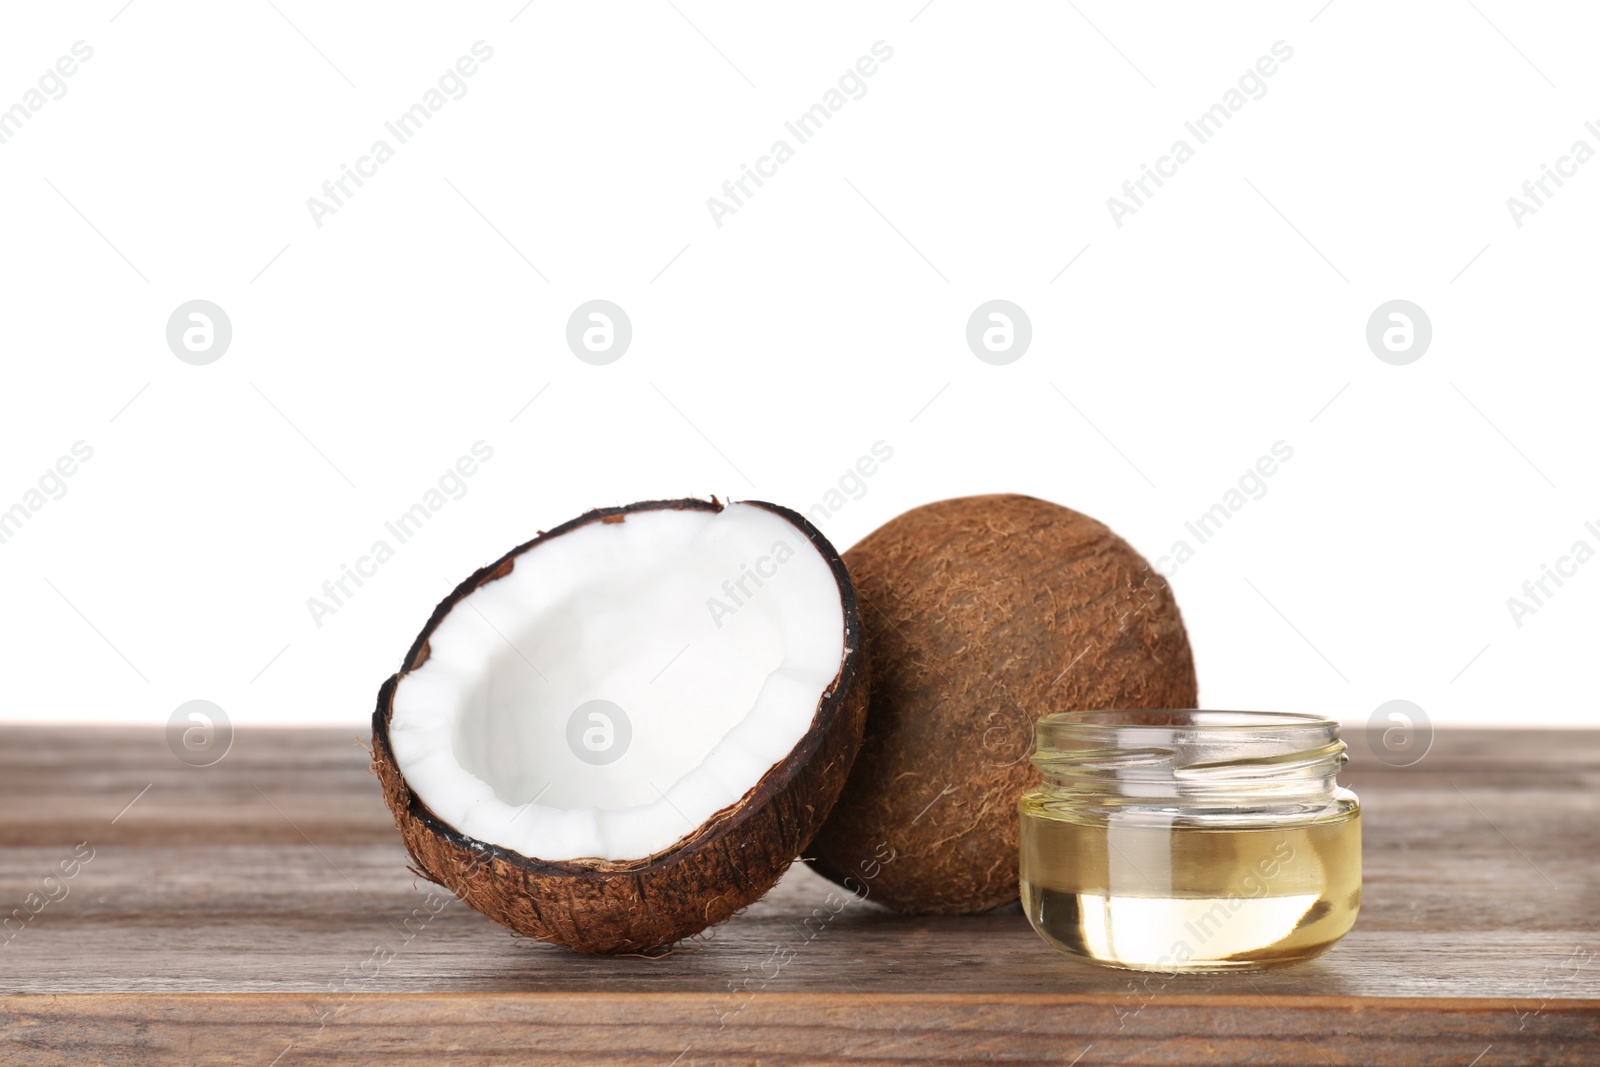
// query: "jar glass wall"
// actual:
[[1190, 841]]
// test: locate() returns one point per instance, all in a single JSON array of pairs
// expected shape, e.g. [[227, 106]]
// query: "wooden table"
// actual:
[[254, 912]]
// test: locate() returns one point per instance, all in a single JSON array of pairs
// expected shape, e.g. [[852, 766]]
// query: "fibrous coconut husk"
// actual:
[[982, 614]]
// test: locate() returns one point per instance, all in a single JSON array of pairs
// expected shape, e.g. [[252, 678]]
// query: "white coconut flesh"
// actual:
[[715, 634]]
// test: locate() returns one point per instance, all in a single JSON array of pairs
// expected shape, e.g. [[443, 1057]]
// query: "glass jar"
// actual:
[[1190, 841]]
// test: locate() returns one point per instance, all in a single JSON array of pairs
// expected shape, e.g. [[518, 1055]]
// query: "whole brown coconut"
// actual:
[[981, 614], [629, 902]]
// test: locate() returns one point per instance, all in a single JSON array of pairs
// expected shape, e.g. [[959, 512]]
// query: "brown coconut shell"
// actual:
[[983, 614], [596, 905]]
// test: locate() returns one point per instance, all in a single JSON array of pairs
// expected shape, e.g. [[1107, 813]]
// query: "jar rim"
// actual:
[[1191, 757], [1206, 719]]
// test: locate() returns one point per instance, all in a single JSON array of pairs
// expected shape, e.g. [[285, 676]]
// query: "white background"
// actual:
[[827, 314]]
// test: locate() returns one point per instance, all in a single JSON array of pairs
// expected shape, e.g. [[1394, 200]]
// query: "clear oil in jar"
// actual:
[[1161, 895]]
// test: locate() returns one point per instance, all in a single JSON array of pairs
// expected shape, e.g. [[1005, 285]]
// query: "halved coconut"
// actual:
[[626, 729]]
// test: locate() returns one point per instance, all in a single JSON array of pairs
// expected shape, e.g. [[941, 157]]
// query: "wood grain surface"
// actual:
[[260, 911]]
